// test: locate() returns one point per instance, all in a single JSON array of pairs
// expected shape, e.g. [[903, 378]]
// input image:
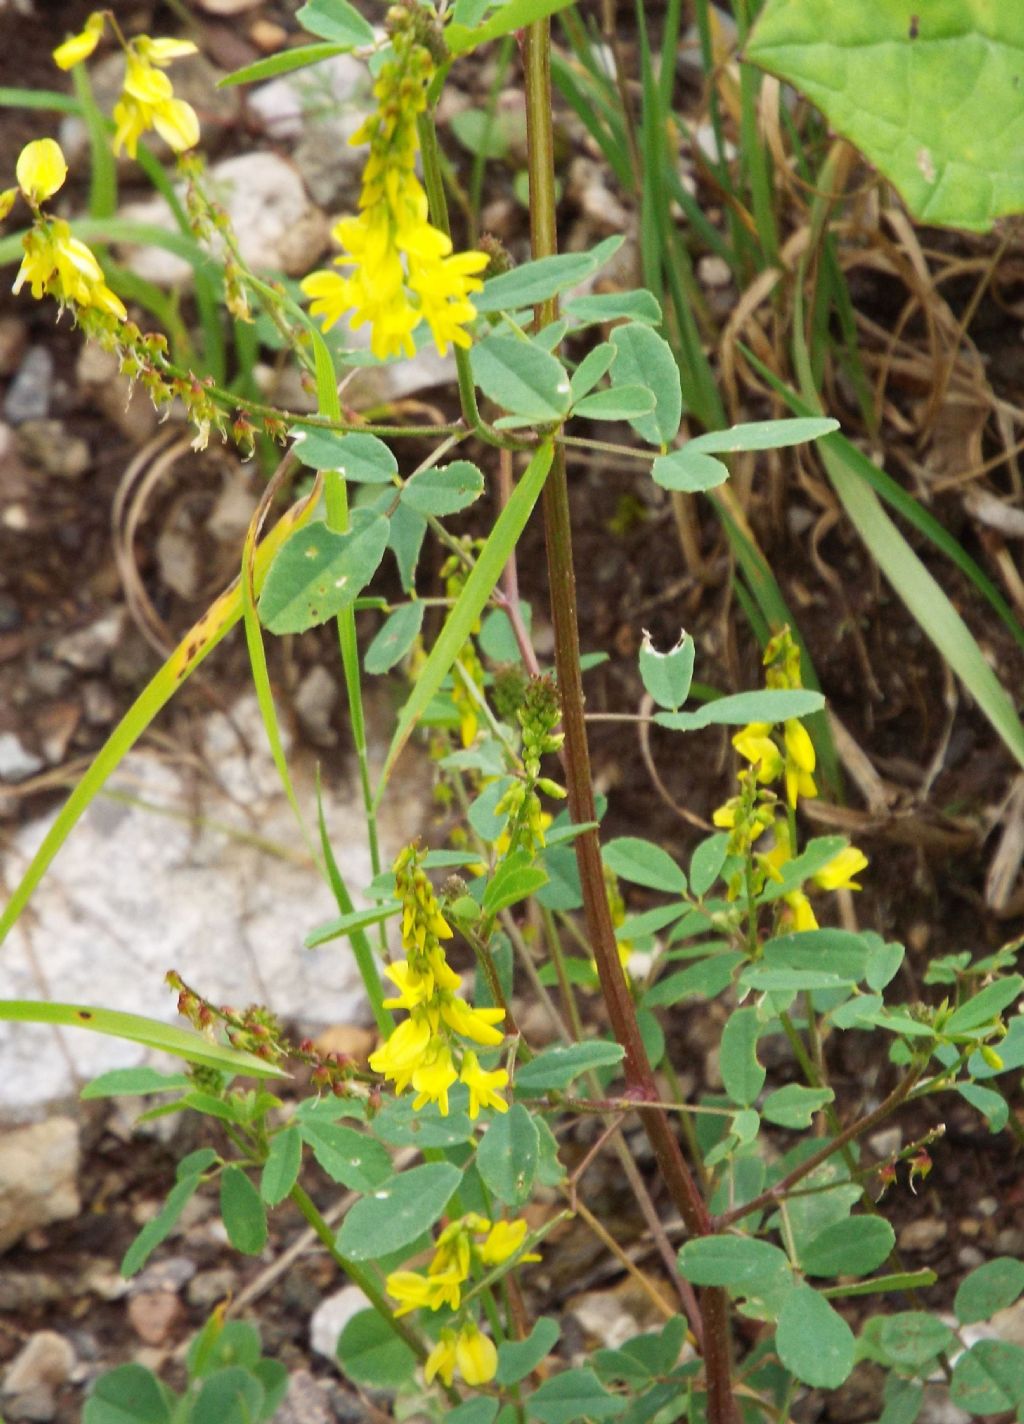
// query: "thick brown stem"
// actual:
[[640, 1083]]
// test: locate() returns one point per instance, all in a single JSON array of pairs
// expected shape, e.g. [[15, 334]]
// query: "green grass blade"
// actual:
[[479, 586], [923, 596], [168, 1038], [45, 99], [366, 960], [103, 165], [903, 503], [215, 624]]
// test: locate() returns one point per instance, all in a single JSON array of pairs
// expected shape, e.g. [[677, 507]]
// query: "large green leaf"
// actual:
[[930, 93], [371, 1353], [398, 1213], [507, 1155], [319, 572], [536, 281], [643, 358], [813, 1340], [168, 1038], [743, 1263], [521, 377]]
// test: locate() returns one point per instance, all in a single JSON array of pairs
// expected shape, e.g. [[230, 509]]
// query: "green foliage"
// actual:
[[399, 1213], [813, 1340], [876, 72], [319, 572], [454, 1127], [372, 1354], [228, 1383]]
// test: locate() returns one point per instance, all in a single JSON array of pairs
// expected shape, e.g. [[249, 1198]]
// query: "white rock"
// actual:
[[229, 519], [133, 894], [177, 557], [276, 225], [331, 1316], [290, 103], [88, 649], [603, 1319], [38, 1174], [713, 271], [17, 763], [315, 700], [38, 1370], [1008, 1324]]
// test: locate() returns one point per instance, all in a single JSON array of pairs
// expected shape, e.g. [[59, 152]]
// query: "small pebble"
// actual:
[[922, 1235], [153, 1315], [29, 394]]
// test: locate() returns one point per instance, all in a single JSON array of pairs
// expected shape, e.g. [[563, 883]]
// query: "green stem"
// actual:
[[362, 1277], [558, 538]]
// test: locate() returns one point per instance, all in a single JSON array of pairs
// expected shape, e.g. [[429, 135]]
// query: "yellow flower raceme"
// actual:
[[801, 914], [396, 269], [800, 762], [468, 1241], [147, 96], [756, 744], [428, 1049], [56, 263], [504, 1239], [59, 265]]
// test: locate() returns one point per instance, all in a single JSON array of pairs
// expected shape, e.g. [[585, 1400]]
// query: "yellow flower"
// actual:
[[7, 198], [476, 1024], [475, 1355], [78, 47], [415, 1291], [503, 1241], [802, 917], [397, 1058], [441, 1360], [41, 170], [61, 266], [800, 762], [147, 99], [755, 744], [433, 1076], [484, 1087], [398, 270], [838, 873]]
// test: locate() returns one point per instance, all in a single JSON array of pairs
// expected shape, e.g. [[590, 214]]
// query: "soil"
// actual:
[[943, 768]]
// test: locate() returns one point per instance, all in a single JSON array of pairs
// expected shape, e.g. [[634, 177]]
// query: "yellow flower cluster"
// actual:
[[399, 270], [147, 96], [470, 1242], [789, 758], [56, 263], [424, 1048]]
